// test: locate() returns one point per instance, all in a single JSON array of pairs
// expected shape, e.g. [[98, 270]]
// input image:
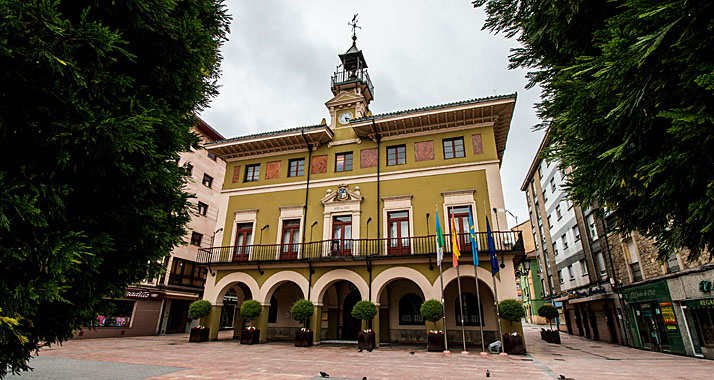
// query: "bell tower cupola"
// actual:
[[352, 74]]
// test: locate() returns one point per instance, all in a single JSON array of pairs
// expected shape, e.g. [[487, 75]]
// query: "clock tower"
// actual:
[[352, 89]]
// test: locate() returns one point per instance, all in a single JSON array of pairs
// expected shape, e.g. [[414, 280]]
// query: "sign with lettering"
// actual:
[[670, 321], [649, 292], [145, 294]]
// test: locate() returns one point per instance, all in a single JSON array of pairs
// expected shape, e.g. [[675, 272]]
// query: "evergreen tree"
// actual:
[[628, 101], [96, 103]]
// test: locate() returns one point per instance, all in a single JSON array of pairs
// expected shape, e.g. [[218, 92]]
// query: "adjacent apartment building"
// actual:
[[527, 276], [572, 256], [160, 306], [345, 210]]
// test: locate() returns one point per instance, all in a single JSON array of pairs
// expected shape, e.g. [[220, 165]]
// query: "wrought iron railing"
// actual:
[[504, 241], [347, 76]]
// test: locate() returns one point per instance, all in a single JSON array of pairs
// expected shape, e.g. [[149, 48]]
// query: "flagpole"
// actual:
[[461, 306], [454, 246], [474, 253], [441, 279], [478, 299], [495, 291]]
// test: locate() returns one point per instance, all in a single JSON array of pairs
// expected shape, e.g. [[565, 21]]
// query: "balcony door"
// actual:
[[244, 235], [461, 219], [291, 240], [341, 235], [399, 243]]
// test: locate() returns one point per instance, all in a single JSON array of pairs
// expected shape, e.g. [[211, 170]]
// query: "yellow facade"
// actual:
[[366, 232]]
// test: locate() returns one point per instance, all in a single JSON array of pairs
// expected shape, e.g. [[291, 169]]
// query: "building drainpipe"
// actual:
[[308, 167], [377, 137]]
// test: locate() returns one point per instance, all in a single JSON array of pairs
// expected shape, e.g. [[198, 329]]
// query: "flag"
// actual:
[[439, 240], [472, 235], [454, 243], [492, 249]]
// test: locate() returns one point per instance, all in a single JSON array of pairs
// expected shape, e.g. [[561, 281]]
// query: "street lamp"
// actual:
[[311, 229], [261, 233]]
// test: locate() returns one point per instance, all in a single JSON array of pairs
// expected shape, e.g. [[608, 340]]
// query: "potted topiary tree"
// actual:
[[365, 311], [198, 310], [250, 310], [549, 312], [301, 311], [432, 311], [512, 311]]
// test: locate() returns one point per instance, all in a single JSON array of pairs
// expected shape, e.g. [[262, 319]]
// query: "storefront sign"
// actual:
[[145, 294], [657, 291], [670, 321], [705, 303], [705, 286]]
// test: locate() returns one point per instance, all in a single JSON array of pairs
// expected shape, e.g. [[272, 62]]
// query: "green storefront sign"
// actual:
[[652, 319]]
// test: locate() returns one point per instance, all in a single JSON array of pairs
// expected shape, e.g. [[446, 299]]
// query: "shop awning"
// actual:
[[594, 297]]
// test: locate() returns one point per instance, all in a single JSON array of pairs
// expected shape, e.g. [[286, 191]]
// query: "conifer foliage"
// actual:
[[96, 102], [628, 100]]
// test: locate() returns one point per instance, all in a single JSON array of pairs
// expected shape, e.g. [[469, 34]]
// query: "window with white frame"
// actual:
[[564, 239], [576, 233], [557, 212], [583, 267], [571, 272], [591, 226]]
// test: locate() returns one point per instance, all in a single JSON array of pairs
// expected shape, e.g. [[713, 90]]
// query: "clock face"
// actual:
[[345, 117]]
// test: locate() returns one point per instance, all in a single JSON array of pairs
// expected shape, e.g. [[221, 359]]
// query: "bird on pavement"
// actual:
[[323, 374], [488, 373], [411, 352]]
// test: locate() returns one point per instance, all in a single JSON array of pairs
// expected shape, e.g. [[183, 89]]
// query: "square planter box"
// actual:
[[550, 336], [435, 342], [512, 344], [365, 340], [303, 338], [198, 335], [250, 336]]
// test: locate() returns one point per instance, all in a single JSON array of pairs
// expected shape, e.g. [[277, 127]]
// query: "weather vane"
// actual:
[[354, 26]]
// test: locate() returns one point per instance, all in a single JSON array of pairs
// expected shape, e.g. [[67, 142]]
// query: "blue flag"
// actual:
[[472, 235], [492, 250]]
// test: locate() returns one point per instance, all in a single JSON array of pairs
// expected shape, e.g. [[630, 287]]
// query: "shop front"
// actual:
[[136, 314], [653, 321], [693, 295]]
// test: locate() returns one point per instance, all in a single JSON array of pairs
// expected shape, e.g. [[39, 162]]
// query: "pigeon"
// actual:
[[360, 350], [323, 374], [411, 352], [562, 377], [364, 378], [488, 373]]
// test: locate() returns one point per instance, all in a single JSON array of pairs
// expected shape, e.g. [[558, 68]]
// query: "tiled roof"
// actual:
[[270, 133], [436, 107]]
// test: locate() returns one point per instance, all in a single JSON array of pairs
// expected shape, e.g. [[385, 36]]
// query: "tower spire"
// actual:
[[354, 26]]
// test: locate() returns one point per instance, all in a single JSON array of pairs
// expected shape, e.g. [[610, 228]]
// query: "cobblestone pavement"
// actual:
[[575, 358]]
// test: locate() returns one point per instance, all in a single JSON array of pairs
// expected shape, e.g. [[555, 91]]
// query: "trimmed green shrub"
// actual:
[[302, 310], [199, 309], [432, 310], [250, 309], [511, 310], [364, 310], [548, 312]]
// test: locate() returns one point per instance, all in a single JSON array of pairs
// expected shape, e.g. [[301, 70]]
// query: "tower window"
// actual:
[[196, 238], [252, 172], [296, 167], [211, 156], [343, 162], [202, 208], [454, 148], [396, 155]]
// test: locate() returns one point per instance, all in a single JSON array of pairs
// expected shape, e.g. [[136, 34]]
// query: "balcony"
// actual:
[[350, 76], [347, 249]]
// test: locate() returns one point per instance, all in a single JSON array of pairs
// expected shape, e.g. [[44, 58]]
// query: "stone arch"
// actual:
[[279, 278], [327, 279], [380, 282], [484, 277], [215, 294]]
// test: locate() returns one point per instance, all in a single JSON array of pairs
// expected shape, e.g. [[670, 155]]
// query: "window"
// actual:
[[552, 184], [341, 235], [545, 196], [600, 264], [211, 156], [296, 167], [207, 180], [244, 236], [409, 306], [550, 224], [564, 238], [189, 168], [343, 162], [196, 238], [591, 226], [583, 267], [187, 273], [672, 264], [704, 322], [398, 223], [571, 272], [202, 208], [291, 239], [454, 148], [562, 276], [120, 315], [555, 250], [252, 173], [557, 212], [471, 315], [396, 155], [576, 233], [635, 267]]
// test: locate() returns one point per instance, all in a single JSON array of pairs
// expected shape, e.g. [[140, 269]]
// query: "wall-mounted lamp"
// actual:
[[261, 232], [368, 220], [311, 228]]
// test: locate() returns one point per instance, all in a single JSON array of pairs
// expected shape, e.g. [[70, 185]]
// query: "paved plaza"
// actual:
[[173, 357]]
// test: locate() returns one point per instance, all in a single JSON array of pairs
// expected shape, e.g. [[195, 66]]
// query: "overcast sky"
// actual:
[[281, 54]]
